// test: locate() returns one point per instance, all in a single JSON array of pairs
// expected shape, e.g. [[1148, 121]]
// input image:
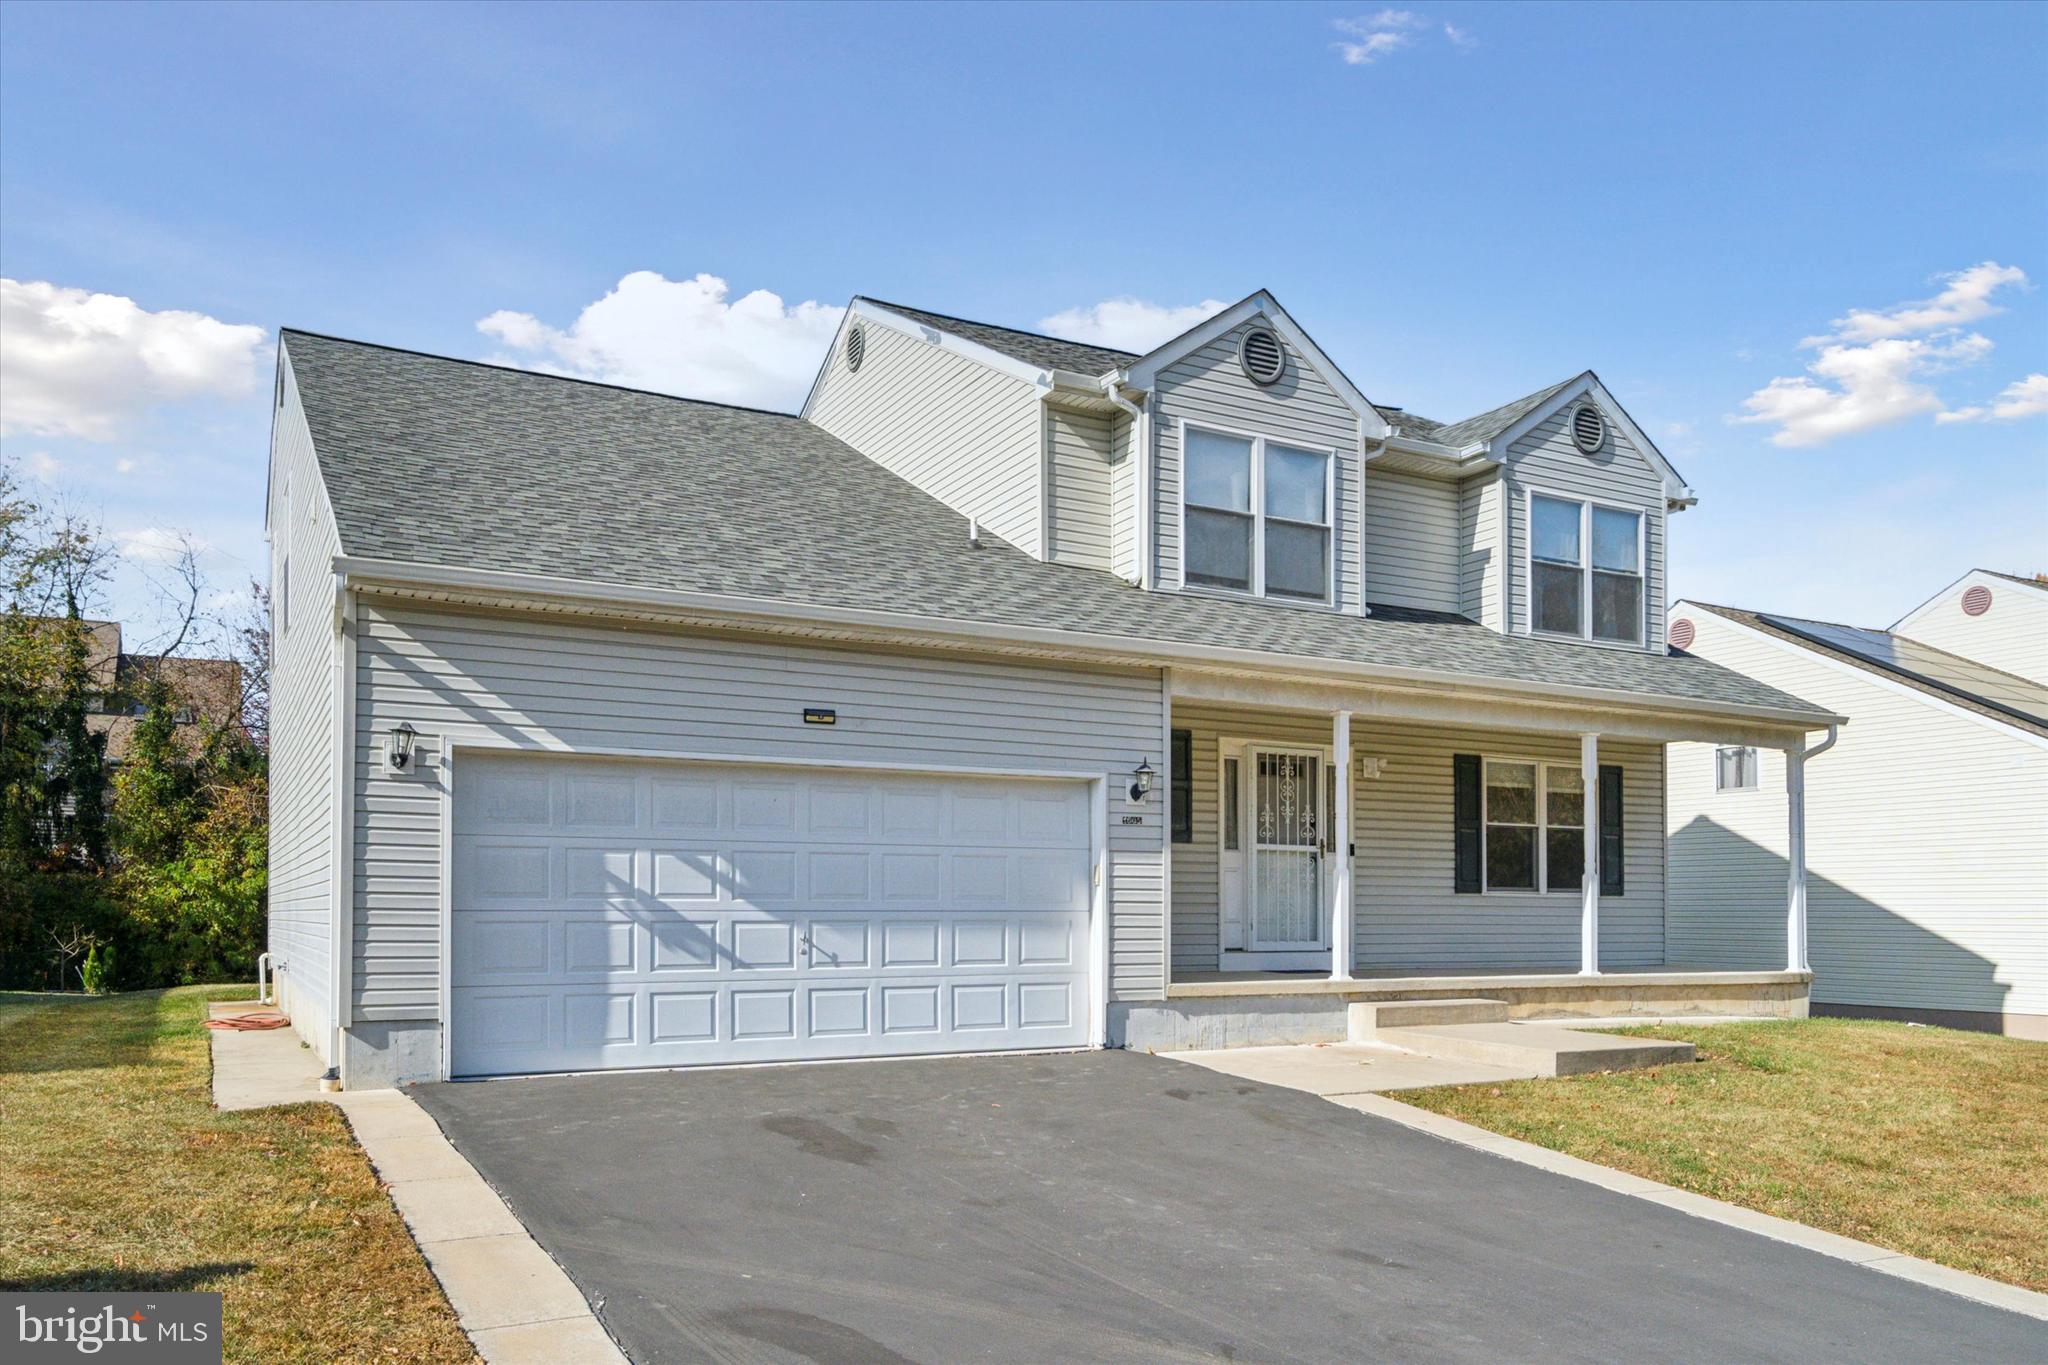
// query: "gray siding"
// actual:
[[564, 685], [1408, 915], [2012, 635], [1078, 491], [302, 777], [1123, 499], [1209, 387], [1927, 847], [964, 433], [1481, 551], [1546, 459], [1411, 541]]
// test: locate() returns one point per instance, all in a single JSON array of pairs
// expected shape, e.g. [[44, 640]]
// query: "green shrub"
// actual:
[[97, 975]]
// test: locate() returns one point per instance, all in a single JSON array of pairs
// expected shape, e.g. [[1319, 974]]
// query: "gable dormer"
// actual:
[[1250, 462]]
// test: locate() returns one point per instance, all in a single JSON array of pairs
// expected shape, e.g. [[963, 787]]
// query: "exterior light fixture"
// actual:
[[1141, 781], [400, 753]]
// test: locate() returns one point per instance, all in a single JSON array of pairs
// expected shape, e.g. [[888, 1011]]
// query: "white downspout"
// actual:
[[1141, 473], [1795, 850], [1364, 459]]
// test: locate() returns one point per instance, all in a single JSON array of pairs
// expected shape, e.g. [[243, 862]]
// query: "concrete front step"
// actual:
[[1367, 1017], [1542, 1048]]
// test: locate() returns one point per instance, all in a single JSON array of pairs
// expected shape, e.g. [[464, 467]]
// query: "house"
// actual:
[[208, 692], [1928, 847], [1017, 693]]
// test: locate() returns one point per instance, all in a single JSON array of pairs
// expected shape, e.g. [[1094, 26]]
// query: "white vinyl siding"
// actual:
[[1408, 914], [2012, 635], [964, 433], [1549, 462], [1208, 388], [1481, 553], [303, 780], [1926, 846], [1078, 487], [566, 686], [1411, 541]]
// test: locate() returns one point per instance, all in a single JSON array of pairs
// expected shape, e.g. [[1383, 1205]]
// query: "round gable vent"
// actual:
[[1262, 356], [856, 346], [1977, 600], [1681, 633], [1589, 428]]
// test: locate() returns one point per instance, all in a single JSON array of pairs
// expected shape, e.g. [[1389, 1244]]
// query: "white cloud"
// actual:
[[2022, 398], [84, 364], [44, 466], [1379, 35], [1965, 299], [158, 545], [1871, 371], [1128, 324], [680, 336]]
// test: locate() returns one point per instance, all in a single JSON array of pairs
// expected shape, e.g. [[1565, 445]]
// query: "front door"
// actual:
[[1287, 851]]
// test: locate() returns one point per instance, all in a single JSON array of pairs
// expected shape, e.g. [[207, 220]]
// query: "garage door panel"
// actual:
[[799, 916]]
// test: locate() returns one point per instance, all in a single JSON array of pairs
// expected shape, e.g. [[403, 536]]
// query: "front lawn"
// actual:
[[1924, 1140], [117, 1174]]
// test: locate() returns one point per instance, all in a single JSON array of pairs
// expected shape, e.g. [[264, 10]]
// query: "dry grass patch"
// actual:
[[1924, 1140], [117, 1174]]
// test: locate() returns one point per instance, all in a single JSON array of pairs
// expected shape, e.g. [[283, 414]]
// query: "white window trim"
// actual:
[[1541, 826], [1328, 601], [1586, 505], [1756, 771]]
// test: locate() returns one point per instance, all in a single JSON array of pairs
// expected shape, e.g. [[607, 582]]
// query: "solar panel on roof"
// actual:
[[1936, 667]]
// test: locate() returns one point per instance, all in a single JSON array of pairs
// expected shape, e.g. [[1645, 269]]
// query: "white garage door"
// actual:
[[646, 914]]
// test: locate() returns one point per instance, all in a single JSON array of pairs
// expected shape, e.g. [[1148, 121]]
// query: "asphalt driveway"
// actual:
[[1113, 1206]]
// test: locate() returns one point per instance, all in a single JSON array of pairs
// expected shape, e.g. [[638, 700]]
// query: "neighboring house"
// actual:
[[208, 691], [1017, 693], [1927, 846]]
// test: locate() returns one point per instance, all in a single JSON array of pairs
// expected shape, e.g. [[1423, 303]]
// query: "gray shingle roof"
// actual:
[[1931, 666], [1488, 425], [466, 465], [1032, 348]]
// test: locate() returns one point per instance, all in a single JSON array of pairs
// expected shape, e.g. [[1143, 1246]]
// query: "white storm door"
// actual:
[[1286, 879]]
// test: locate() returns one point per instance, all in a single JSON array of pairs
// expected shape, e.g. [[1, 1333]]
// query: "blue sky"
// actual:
[[1462, 202]]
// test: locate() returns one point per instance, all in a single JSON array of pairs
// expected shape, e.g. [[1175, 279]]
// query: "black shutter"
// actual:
[[1180, 784], [1611, 851], [1465, 821]]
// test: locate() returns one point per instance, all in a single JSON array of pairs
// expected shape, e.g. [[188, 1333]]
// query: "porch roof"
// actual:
[[448, 474]]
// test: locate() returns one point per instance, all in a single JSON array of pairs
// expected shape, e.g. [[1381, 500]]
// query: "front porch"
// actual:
[[1413, 847]]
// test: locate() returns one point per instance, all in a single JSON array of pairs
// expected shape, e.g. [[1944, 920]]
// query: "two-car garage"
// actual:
[[610, 913]]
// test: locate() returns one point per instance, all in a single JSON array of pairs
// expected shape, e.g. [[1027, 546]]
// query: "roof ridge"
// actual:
[[999, 326], [534, 374]]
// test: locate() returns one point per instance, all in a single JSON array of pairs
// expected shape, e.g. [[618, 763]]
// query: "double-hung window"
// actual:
[[1257, 516], [1535, 822], [1585, 569]]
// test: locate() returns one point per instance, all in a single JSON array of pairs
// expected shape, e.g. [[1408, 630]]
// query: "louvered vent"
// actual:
[[1589, 428], [856, 346], [1681, 633], [1262, 357], [1976, 600]]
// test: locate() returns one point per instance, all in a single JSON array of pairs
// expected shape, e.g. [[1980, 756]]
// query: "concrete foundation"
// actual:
[[1267, 1011], [382, 1054]]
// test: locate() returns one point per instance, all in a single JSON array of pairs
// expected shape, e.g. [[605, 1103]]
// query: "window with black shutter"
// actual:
[[1465, 816], [1181, 787], [1612, 850]]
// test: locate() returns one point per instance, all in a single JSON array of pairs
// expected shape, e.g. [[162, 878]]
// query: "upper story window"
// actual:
[[1586, 569], [1257, 516]]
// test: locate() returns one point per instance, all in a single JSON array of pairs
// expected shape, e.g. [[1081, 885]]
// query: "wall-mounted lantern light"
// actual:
[[1141, 781], [399, 752]]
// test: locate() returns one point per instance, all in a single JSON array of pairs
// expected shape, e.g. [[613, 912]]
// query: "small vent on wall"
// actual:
[[1589, 428], [856, 346], [1263, 358], [1976, 600], [1681, 633]]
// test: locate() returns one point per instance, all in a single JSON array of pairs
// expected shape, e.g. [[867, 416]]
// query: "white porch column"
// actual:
[[1342, 936], [1795, 859], [1589, 886]]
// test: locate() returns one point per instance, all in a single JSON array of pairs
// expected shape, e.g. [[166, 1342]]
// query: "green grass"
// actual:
[[117, 1174], [1924, 1140]]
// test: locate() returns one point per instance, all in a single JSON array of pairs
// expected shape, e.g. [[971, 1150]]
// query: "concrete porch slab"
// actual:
[[1345, 1068], [258, 1069]]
